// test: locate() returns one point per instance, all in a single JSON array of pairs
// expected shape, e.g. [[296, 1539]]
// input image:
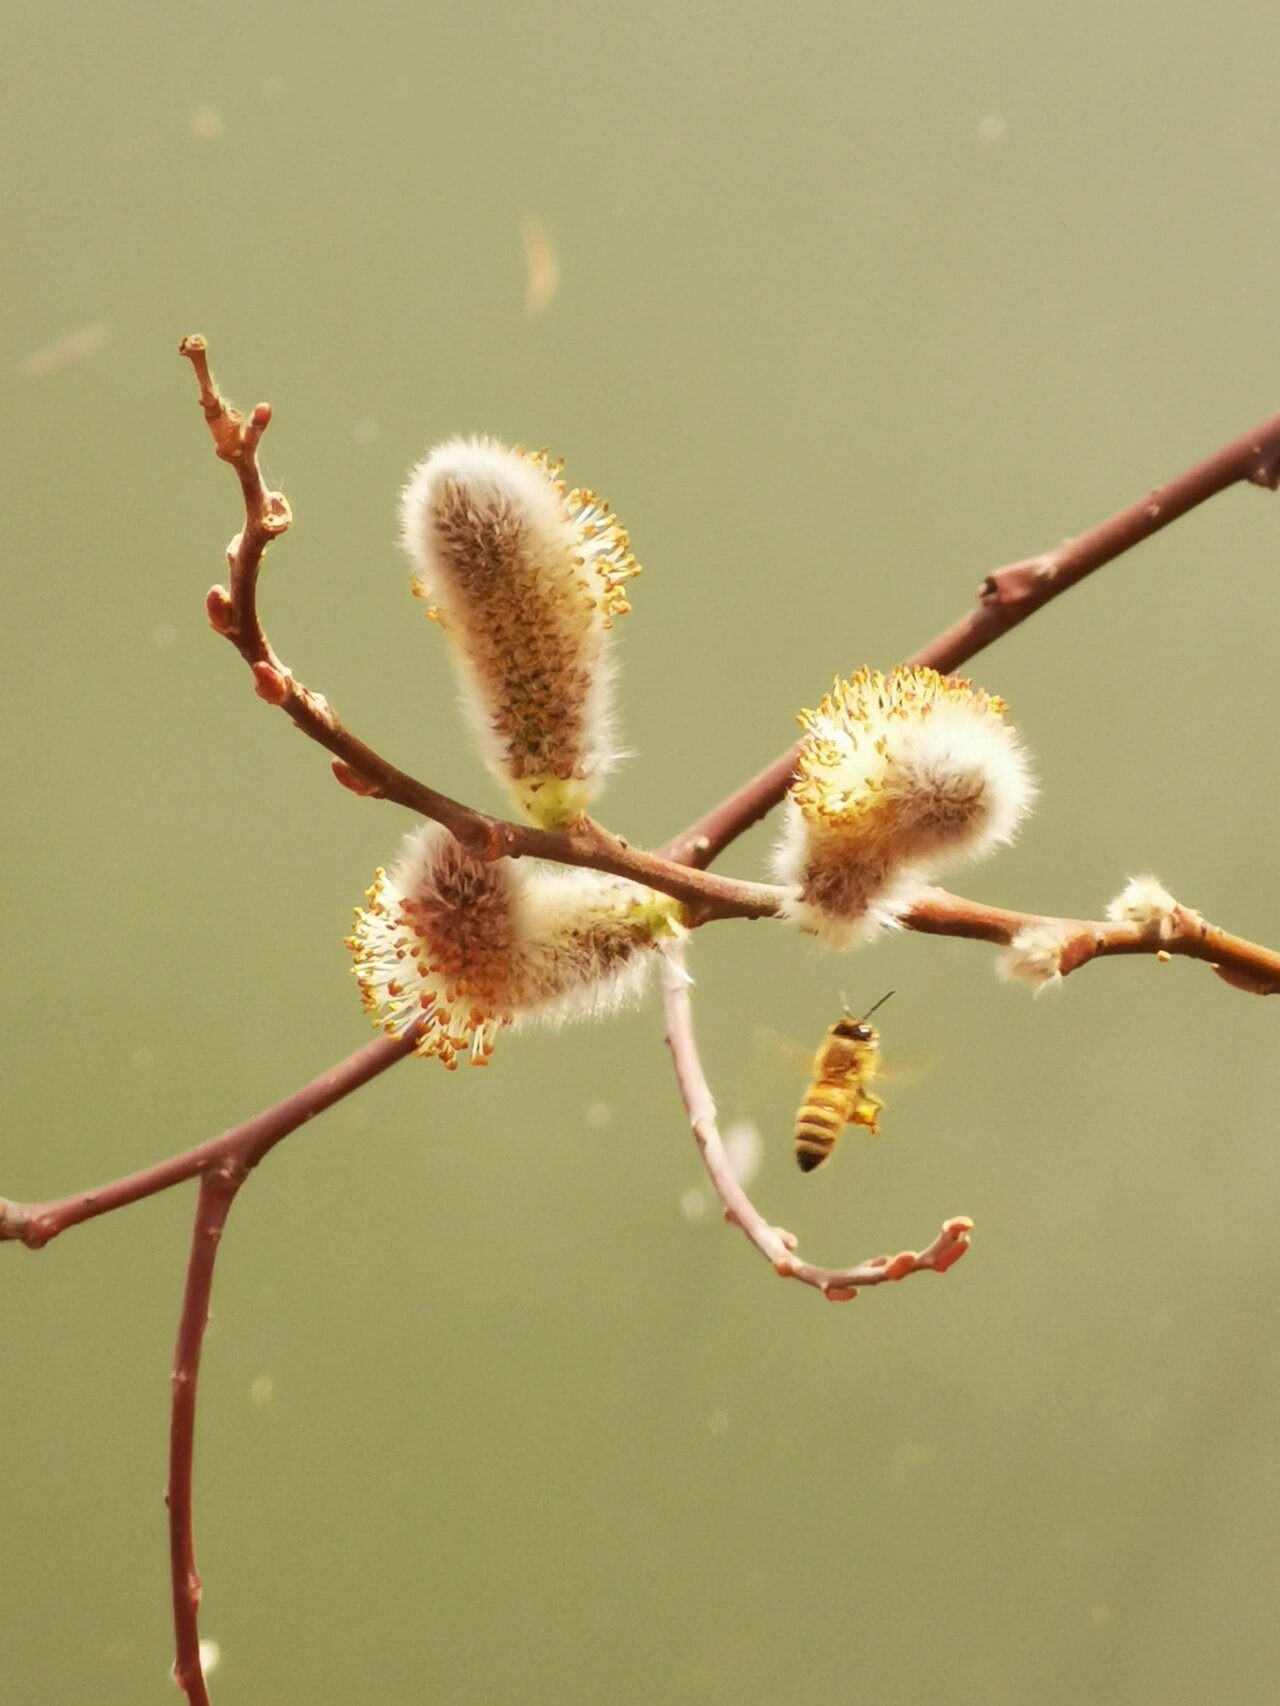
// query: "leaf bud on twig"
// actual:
[[1146, 902], [1034, 955]]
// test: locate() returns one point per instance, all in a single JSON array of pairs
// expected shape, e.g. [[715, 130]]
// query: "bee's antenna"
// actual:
[[880, 1003]]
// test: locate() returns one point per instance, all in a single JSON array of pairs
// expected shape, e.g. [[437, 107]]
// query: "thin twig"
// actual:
[[35, 1224], [218, 1187], [1005, 598], [1008, 597], [838, 1285], [234, 614], [1184, 934]]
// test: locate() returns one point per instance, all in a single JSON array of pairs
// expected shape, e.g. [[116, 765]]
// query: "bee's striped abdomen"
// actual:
[[823, 1115]]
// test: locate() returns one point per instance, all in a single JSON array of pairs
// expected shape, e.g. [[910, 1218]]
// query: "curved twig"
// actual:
[[1247, 966], [234, 614], [778, 1247]]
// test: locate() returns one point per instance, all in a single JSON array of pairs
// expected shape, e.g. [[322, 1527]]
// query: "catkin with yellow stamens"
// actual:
[[898, 776], [525, 577], [463, 947]]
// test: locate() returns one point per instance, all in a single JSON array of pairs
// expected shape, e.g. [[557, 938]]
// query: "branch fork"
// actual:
[[1005, 598]]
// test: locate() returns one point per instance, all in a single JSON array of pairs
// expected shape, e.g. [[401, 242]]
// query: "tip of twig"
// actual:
[[953, 1243]]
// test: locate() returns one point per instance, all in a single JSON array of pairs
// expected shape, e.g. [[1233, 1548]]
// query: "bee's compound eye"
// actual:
[[863, 1033]]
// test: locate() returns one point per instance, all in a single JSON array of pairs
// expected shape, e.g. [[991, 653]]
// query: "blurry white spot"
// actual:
[[745, 1150], [717, 1422], [694, 1205], [262, 1389], [1099, 1615], [907, 1459], [210, 1656], [992, 127], [541, 269], [599, 1115], [76, 347], [142, 1060], [164, 635], [366, 430], [205, 124]]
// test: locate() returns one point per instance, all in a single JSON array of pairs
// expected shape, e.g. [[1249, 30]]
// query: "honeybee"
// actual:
[[839, 1093]]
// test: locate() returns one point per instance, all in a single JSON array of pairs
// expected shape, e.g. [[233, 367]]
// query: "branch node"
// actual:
[[1017, 582]]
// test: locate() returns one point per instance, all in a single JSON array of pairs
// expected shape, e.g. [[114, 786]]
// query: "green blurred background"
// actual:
[[855, 303]]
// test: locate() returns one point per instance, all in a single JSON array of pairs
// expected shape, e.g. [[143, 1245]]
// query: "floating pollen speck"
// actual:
[[70, 351], [206, 124], [541, 269]]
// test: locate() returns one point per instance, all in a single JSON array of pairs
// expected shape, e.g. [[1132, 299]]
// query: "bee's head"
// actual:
[[853, 1030]]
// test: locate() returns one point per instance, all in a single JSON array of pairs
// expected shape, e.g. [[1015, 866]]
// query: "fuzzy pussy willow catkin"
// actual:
[[898, 776], [463, 947], [525, 577]]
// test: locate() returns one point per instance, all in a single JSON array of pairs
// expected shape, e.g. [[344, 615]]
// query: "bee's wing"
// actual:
[[784, 1054], [899, 1066]]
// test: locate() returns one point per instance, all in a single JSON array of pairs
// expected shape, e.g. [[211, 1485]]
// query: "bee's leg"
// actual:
[[867, 1112]]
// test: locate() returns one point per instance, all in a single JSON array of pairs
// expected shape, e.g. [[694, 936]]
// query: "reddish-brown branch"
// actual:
[[35, 1224], [1244, 965], [1185, 934], [218, 1187], [1006, 598], [234, 614], [838, 1285]]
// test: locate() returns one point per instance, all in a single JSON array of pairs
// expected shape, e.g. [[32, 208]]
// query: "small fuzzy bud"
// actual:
[[1146, 902], [1035, 956], [525, 578], [270, 683], [463, 947], [219, 609], [898, 776], [350, 779]]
